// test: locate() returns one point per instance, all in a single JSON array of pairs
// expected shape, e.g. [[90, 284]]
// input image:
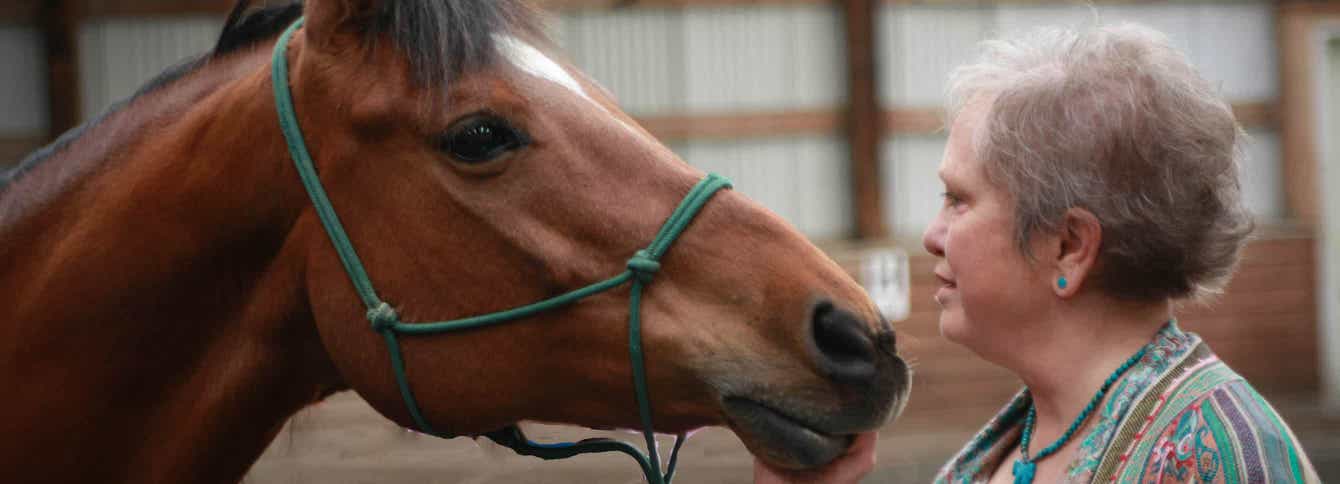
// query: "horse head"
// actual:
[[476, 171]]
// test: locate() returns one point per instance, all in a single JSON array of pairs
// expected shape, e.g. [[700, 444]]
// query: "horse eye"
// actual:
[[481, 138]]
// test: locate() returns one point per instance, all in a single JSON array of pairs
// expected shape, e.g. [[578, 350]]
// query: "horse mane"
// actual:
[[7, 177], [441, 38]]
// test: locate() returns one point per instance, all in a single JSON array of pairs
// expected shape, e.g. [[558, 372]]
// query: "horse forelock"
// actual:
[[441, 38], [247, 25], [444, 38]]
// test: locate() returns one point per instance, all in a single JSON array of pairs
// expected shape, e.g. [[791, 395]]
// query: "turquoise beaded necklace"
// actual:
[[1025, 467]]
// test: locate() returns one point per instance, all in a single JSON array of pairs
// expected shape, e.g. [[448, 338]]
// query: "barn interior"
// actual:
[[828, 112]]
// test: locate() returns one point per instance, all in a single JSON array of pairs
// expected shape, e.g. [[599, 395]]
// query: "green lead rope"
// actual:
[[641, 268]]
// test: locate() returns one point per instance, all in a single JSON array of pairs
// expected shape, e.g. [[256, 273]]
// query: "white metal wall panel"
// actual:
[[23, 92], [804, 180], [912, 187], [118, 55], [818, 65], [710, 59], [1011, 20], [1328, 245], [1179, 21], [635, 54], [822, 188], [556, 25], [731, 59], [1234, 45], [736, 61], [1262, 175], [920, 44], [761, 169]]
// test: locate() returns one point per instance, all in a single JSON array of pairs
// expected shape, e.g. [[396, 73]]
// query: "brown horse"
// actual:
[[172, 298]]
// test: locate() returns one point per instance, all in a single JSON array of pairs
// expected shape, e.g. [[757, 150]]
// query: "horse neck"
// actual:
[[159, 329]]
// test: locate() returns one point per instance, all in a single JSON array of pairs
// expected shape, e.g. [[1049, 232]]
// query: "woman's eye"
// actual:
[[950, 199], [480, 139]]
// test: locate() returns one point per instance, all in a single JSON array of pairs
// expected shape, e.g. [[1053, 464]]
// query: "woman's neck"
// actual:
[[1083, 341]]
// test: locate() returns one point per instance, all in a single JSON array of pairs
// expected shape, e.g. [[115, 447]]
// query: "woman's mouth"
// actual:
[[947, 286], [946, 282]]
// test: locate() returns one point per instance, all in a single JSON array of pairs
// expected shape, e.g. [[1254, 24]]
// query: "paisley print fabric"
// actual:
[[1179, 416]]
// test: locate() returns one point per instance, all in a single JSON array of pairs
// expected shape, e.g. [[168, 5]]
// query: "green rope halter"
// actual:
[[641, 268]]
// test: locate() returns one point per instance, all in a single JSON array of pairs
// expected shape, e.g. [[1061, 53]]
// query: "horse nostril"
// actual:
[[887, 338], [846, 346]]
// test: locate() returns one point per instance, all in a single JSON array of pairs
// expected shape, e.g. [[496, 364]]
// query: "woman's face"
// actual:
[[989, 290]]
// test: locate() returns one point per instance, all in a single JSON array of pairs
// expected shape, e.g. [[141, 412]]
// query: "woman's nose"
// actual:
[[933, 238]]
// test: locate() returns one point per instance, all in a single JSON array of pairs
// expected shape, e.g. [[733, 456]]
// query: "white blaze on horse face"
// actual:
[[534, 62], [531, 61]]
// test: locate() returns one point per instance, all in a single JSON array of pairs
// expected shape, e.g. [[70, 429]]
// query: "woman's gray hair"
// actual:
[[1115, 121]]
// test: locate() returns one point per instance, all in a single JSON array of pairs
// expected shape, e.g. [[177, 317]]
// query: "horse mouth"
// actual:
[[781, 439]]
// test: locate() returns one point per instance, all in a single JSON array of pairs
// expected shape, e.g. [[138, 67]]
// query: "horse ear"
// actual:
[[333, 23]]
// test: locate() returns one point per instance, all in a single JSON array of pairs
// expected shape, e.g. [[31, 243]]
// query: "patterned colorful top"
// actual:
[[1180, 415]]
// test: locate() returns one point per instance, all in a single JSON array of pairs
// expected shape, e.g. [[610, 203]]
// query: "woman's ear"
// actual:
[[1080, 239], [338, 24]]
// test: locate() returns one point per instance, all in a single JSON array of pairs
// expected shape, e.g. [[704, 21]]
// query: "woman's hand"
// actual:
[[848, 468]]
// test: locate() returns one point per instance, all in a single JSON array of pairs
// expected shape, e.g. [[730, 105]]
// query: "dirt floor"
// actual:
[[343, 441]]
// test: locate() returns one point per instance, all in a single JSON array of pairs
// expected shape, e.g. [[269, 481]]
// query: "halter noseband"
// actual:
[[640, 270]]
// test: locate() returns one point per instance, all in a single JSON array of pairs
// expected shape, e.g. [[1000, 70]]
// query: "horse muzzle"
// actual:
[[862, 384]]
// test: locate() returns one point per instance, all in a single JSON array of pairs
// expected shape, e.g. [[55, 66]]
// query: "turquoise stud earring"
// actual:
[[1061, 282]]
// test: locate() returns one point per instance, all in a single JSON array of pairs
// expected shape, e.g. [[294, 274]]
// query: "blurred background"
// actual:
[[828, 112]]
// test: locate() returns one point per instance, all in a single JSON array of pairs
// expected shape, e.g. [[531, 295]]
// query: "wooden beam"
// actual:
[[150, 8], [22, 12], [581, 4], [1257, 115], [114, 8], [914, 120], [895, 121], [990, 3], [61, 44], [741, 125], [863, 118], [1260, 115], [25, 10], [1295, 23]]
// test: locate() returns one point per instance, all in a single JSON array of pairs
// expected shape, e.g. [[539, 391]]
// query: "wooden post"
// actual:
[[22, 12], [59, 24], [864, 117], [1293, 27], [1298, 24]]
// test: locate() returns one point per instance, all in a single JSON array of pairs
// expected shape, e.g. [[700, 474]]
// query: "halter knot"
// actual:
[[383, 317], [643, 266]]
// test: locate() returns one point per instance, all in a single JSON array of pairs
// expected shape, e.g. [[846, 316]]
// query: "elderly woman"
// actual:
[[1090, 185]]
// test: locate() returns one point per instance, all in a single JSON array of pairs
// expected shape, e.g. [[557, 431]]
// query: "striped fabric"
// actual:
[[1180, 415]]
